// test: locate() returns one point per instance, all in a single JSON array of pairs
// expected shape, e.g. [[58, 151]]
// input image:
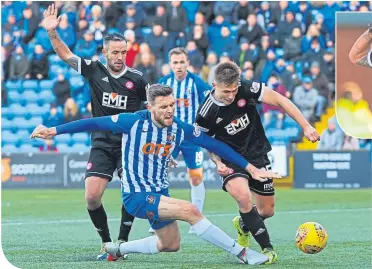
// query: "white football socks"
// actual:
[[214, 235], [198, 195], [146, 245]]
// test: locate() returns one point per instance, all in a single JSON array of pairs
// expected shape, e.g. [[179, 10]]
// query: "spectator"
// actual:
[[200, 20], [208, 68], [19, 64], [158, 45], [280, 70], [61, 89], [350, 143], [319, 23], [312, 32], [6, 52], [97, 13], [304, 15], [66, 32], [292, 46], [248, 74], [53, 118], [269, 110], [224, 43], [86, 112], [329, 12], [39, 66], [98, 28], [241, 12], [327, 68], [86, 47], [29, 24], [195, 56], [225, 9], [147, 68], [131, 12], [4, 93], [160, 16], [176, 22], [48, 146], [191, 8], [111, 13], [331, 139], [225, 57], [252, 31], [85, 11], [201, 39], [305, 97], [316, 53], [82, 27], [268, 66], [246, 53], [144, 48], [132, 47], [10, 25], [286, 27], [71, 111], [279, 12], [264, 15], [206, 8], [320, 83]]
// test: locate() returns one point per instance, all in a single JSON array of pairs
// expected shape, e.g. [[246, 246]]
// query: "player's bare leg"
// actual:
[[197, 189], [170, 208], [94, 189], [264, 205], [252, 222]]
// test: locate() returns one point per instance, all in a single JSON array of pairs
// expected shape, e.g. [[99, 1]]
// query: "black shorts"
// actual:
[[103, 161], [262, 188]]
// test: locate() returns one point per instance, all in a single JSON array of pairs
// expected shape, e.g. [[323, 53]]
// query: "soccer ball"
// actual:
[[311, 237]]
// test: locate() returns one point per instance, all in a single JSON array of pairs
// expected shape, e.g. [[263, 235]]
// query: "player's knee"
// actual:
[[267, 211], [244, 200], [191, 213], [196, 176], [93, 200], [173, 246]]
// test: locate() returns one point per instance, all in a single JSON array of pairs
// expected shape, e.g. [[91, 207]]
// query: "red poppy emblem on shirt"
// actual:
[[129, 85], [89, 166], [241, 103]]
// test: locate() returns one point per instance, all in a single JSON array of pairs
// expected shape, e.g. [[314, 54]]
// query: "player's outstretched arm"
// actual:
[[108, 123], [273, 98], [221, 149], [50, 24], [359, 52]]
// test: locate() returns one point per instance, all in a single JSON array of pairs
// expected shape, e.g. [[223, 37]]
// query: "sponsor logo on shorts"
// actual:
[[150, 215], [129, 85], [241, 103], [150, 199], [89, 166], [269, 186]]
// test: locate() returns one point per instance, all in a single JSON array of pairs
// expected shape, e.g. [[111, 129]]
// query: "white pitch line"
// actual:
[[29, 222]]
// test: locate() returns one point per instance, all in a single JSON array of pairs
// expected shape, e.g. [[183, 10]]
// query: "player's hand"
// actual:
[[311, 134], [261, 175], [43, 132], [222, 169], [172, 163], [50, 21]]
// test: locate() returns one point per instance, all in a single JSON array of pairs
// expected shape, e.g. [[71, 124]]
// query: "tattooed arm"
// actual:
[[359, 53], [50, 23]]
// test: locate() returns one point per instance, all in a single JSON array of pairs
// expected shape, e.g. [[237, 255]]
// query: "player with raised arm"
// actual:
[[360, 53], [149, 139], [189, 91], [229, 114], [114, 88]]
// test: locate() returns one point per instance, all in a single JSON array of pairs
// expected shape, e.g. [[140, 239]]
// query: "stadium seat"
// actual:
[[63, 139], [35, 121], [76, 83], [80, 148], [28, 148], [47, 97], [7, 125], [18, 110], [80, 138], [72, 73], [31, 85], [55, 69], [15, 97], [36, 110], [46, 85], [31, 97], [9, 148], [55, 60], [9, 138], [7, 113], [14, 86], [23, 124], [64, 148]]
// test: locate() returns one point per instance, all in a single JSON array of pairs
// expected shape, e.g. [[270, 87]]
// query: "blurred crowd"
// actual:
[[287, 45]]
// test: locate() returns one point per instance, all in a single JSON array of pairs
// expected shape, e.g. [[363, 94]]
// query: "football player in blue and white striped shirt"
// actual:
[[189, 91], [149, 138]]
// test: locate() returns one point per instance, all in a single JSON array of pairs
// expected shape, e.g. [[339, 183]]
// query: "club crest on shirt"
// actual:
[[171, 137], [150, 199], [241, 102], [115, 118], [129, 85], [196, 131], [255, 87]]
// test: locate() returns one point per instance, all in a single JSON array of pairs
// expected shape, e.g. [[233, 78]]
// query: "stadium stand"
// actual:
[[263, 38]]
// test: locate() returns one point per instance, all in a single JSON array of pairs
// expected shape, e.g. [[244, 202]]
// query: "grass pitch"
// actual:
[[52, 229]]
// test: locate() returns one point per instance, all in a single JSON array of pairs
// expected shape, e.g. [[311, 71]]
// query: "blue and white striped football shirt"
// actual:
[[189, 94], [147, 149]]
